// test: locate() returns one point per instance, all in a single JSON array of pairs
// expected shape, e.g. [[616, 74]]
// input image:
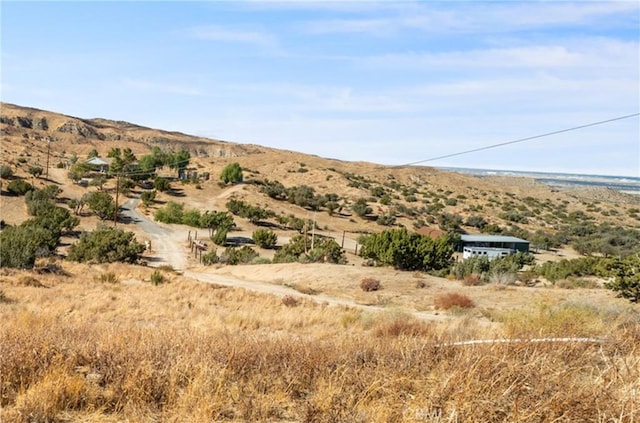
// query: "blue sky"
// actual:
[[388, 82]]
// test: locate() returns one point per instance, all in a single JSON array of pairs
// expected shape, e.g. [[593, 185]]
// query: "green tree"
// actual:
[[172, 212], [361, 208], [179, 161], [21, 245], [161, 184], [36, 171], [148, 197], [627, 278], [6, 172], [106, 245], [19, 187], [265, 238], [408, 250], [101, 204], [93, 153], [232, 173]]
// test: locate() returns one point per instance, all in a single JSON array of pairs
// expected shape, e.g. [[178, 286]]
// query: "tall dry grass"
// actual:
[[184, 351]]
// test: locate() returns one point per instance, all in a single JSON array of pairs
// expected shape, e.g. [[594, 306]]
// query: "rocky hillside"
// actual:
[[419, 198]]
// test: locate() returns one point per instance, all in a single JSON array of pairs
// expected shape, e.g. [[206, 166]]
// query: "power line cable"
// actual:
[[475, 150]]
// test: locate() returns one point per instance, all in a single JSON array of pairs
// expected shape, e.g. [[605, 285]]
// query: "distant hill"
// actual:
[[414, 197]]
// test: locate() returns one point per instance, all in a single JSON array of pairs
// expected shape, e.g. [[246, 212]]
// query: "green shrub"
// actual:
[[157, 278], [6, 172], [627, 278], [106, 245], [242, 255], [101, 204], [232, 173], [172, 212], [19, 187], [22, 244], [265, 238]]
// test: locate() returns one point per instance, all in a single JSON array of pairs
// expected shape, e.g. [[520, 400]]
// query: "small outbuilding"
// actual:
[[491, 246], [100, 164]]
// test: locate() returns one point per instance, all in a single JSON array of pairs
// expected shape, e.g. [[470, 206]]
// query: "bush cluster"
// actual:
[[408, 250], [325, 250], [106, 245]]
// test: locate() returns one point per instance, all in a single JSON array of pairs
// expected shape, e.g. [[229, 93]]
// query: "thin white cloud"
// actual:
[[480, 17], [160, 87], [224, 34]]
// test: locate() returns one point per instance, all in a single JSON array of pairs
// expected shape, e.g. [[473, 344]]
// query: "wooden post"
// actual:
[[342, 239], [115, 212]]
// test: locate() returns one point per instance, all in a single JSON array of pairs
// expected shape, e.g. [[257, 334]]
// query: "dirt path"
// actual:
[[168, 247]]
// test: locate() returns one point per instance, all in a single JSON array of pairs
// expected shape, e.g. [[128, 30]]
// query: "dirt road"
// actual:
[[168, 247]]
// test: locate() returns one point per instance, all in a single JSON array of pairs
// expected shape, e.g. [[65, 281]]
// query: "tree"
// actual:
[[36, 171], [408, 251], [232, 173], [101, 204], [106, 245], [265, 238], [93, 153], [148, 197], [161, 184], [19, 187], [361, 208], [627, 278], [21, 244], [179, 161], [6, 172]]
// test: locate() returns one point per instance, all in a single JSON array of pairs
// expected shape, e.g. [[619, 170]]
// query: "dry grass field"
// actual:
[[101, 343], [97, 348]]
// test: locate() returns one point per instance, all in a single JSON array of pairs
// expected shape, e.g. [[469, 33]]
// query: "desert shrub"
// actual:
[[161, 184], [242, 255], [106, 245], [476, 222], [369, 284], [36, 171], [401, 325], [172, 212], [453, 299], [407, 250], [473, 280], [157, 278], [290, 301], [107, 277], [192, 217], [299, 249], [210, 258], [22, 244], [19, 187], [386, 219], [450, 222], [232, 173], [254, 213], [584, 266], [627, 278], [361, 208], [265, 238], [101, 204], [6, 172], [148, 197]]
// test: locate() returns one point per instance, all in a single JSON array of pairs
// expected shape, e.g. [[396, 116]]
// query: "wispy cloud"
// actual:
[[478, 18], [231, 35], [161, 87]]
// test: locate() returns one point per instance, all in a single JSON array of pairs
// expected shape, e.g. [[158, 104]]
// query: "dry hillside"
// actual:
[[173, 340]]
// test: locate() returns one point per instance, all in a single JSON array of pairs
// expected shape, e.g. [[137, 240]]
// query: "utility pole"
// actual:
[[115, 212], [48, 151], [313, 231]]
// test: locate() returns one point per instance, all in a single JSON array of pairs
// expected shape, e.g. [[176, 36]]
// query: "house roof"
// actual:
[[97, 161], [492, 238]]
